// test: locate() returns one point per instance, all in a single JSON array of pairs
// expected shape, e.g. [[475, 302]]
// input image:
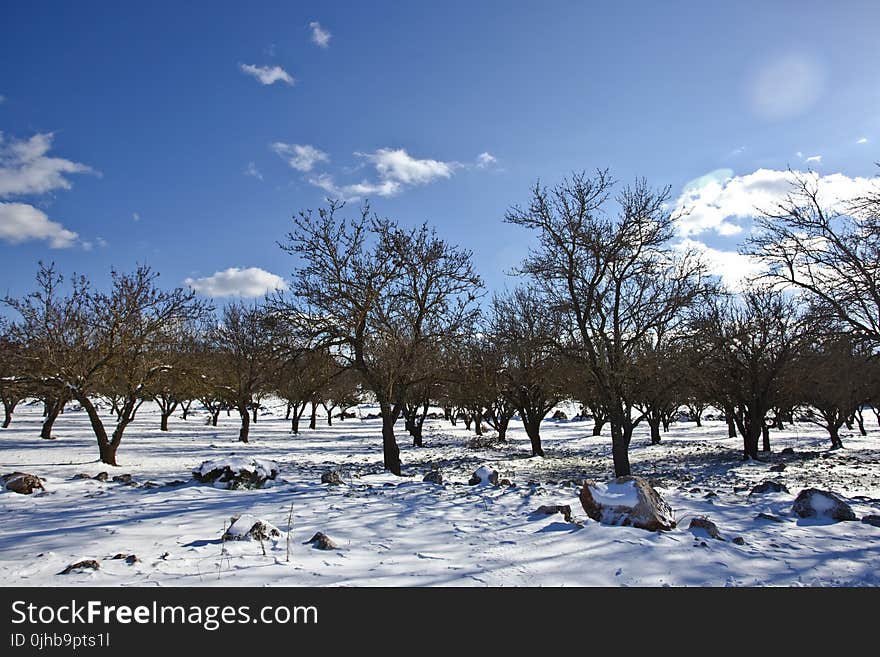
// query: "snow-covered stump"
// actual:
[[627, 501], [815, 503], [236, 472]]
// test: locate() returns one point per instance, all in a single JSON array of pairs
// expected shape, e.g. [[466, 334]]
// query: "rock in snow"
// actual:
[[22, 483], [434, 477], [484, 475], [812, 502], [874, 521], [322, 542], [627, 501], [331, 477], [550, 509], [706, 527], [246, 526], [87, 564], [769, 486], [236, 472]]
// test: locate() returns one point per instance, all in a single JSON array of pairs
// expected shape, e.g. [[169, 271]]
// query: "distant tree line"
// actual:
[[609, 315]]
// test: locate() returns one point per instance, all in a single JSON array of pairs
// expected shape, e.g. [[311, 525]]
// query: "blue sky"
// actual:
[[147, 131]]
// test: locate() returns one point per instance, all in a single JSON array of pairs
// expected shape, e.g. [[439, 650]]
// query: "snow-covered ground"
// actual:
[[394, 531]]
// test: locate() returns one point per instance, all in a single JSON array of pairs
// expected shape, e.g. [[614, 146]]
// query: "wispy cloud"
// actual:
[[236, 282], [135, 217], [252, 171], [268, 74], [814, 158], [320, 36], [396, 170], [862, 140], [301, 157], [486, 160]]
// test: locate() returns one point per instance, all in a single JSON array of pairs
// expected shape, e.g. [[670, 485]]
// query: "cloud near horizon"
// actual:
[[719, 201], [236, 282]]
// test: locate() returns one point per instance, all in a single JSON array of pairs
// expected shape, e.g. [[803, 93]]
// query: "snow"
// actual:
[[245, 522], [822, 504], [261, 467], [400, 531], [484, 474], [616, 494]]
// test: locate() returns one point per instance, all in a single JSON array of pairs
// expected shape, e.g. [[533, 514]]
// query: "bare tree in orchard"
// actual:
[[524, 329], [754, 341], [382, 296], [13, 389], [94, 337], [248, 352], [616, 281], [831, 253]]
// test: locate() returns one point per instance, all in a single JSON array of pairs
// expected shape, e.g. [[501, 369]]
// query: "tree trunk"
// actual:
[[313, 421], [655, 430], [106, 449], [245, 424], [731, 425], [330, 417], [598, 425], [390, 450], [163, 423], [287, 412], [185, 407], [53, 409], [255, 409], [834, 431], [860, 421], [8, 407], [215, 415], [501, 428], [619, 451], [533, 431]]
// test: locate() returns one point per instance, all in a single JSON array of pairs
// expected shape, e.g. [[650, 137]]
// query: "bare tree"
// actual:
[[382, 297], [830, 253], [617, 282], [531, 380], [248, 351], [754, 341], [86, 338]]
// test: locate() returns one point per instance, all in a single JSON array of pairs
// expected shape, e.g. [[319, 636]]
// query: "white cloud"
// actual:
[[485, 160], [399, 166], [814, 158], [715, 201], [396, 169], [863, 140], [320, 36], [252, 171], [235, 282], [786, 86], [135, 216], [301, 157], [26, 169], [20, 222], [731, 267], [268, 74], [2, 99], [355, 191]]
